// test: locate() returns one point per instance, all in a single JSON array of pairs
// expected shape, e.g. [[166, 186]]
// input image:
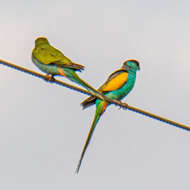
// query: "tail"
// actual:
[[75, 78], [99, 111]]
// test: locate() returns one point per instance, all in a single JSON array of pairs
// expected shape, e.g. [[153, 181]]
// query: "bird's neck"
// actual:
[[132, 72]]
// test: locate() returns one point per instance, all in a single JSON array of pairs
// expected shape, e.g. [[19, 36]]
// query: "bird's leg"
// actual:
[[49, 78]]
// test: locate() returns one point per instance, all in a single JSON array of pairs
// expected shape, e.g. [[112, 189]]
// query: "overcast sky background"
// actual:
[[42, 126]]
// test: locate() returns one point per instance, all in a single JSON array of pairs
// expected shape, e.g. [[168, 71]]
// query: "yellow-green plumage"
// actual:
[[53, 62]]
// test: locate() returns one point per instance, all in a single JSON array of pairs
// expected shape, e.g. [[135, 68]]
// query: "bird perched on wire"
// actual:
[[53, 62], [117, 86]]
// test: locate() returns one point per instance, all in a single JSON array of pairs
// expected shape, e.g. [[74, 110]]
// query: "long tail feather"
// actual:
[[75, 78], [94, 123]]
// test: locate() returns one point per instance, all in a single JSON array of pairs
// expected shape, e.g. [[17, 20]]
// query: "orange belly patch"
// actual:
[[116, 83], [104, 107], [61, 72]]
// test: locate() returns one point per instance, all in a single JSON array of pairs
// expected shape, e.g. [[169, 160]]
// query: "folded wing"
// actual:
[[47, 54], [114, 82]]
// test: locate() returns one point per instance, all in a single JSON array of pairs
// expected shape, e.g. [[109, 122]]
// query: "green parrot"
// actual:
[[117, 86], [53, 62]]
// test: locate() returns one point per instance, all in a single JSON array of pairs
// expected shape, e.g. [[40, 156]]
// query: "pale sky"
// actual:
[[43, 127]]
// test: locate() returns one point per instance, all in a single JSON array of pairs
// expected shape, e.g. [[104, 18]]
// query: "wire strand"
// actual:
[[115, 102]]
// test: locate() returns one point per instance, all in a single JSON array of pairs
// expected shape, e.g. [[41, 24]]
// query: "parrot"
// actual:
[[116, 87], [53, 62]]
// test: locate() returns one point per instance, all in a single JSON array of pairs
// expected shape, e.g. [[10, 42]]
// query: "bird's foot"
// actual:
[[121, 105], [49, 78]]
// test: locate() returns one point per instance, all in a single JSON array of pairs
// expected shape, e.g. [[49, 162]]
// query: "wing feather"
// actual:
[[47, 54], [115, 81]]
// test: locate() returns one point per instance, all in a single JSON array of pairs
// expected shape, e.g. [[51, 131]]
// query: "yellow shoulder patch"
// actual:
[[116, 83]]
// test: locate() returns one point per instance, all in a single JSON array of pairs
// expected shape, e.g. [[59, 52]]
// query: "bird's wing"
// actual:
[[47, 54], [115, 81]]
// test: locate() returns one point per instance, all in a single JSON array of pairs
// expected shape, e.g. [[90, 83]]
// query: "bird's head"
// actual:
[[41, 40], [131, 64]]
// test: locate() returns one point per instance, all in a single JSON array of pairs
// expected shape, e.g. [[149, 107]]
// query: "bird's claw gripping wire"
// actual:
[[49, 78]]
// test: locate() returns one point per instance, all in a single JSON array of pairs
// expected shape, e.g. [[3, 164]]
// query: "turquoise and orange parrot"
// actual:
[[117, 86], [53, 62]]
